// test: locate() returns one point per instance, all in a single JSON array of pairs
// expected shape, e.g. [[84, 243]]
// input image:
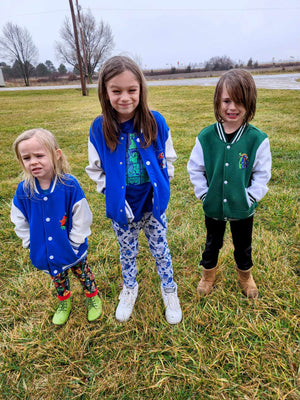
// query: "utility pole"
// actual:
[[82, 41], [83, 86]]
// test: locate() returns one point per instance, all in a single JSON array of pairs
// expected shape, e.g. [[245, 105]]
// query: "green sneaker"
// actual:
[[62, 313], [94, 306]]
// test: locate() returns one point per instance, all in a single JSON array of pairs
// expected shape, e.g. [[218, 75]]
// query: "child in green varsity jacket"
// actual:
[[230, 166], [52, 217]]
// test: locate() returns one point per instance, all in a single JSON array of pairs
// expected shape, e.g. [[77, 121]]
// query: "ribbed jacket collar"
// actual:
[[222, 134]]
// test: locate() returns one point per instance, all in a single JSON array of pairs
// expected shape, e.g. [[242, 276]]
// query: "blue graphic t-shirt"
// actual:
[[138, 186], [135, 169]]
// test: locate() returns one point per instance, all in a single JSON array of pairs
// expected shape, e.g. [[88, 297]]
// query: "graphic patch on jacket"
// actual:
[[243, 161], [162, 162], [63, 222]]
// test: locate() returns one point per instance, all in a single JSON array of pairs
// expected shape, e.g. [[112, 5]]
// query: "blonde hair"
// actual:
[[241, 88], [48, 141], [144, 121]]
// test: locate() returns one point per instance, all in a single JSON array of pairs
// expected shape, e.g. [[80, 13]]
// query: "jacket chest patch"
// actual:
[[63, 222], [243, 161], [162, 162]]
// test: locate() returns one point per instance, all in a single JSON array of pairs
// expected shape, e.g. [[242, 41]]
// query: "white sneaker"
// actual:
[[127, 299], [171, 301]]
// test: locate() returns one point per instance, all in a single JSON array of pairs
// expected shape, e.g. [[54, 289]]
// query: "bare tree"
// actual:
[[16, 45], [98, 43], [219, 64]]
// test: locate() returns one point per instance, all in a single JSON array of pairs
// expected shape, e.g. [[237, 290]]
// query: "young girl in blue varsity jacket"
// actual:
[[52, 217], [230, 166], [130, 159]]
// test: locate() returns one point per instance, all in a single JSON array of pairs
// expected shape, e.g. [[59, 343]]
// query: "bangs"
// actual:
[[235, 91]]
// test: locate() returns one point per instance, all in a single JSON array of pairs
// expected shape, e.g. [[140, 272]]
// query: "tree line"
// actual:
[[96, 44], [42, 70], [18, 48]]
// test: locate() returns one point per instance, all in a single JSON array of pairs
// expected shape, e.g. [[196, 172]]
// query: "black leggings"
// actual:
[[241, 231]]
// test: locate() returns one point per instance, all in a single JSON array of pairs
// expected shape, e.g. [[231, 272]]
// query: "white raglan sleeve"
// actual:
[[171, 156], [196, 170], [94, 169], [21, 225], [82, 219], [261, 172]]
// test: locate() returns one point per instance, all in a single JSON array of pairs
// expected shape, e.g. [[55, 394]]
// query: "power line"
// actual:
[[196, 9], [39, 13], [165, 9]]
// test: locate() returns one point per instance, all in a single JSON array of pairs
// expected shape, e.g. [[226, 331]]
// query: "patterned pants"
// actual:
[[83, 272], [156, 235]]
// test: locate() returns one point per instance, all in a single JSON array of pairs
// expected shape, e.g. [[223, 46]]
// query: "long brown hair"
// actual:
[[143, 119], [48, 141], [241, 88]]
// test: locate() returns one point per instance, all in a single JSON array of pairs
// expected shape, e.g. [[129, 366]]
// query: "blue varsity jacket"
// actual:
[[54, 225], [107, 168]]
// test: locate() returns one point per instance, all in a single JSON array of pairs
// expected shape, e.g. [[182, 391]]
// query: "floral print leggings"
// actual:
[[83, 272], [156, 235]]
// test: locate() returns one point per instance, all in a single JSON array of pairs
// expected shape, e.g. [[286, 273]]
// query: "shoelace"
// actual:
[[91, 303], [62, 307], [173, 301], [127, 296]]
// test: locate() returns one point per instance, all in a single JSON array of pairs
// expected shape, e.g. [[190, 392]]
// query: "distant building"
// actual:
[[2, 83]]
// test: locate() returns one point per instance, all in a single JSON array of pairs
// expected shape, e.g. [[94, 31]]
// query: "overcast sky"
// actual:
[[163, 33]]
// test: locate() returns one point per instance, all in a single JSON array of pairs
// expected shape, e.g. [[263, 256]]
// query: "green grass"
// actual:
[[226, 347]]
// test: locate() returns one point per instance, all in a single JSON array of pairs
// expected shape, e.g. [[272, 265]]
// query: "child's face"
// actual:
[[232, 114], [36, 161], [123, 92]]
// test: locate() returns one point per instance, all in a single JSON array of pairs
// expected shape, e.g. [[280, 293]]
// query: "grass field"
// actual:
[[226, 347]]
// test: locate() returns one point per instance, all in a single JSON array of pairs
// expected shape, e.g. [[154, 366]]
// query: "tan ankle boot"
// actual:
[[207, 281], [247, 283]]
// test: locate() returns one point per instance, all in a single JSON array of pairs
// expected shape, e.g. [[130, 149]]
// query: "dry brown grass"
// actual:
[[226, 347]]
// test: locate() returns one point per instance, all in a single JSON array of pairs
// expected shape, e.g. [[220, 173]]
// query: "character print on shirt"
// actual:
[[136, 173], [63, 222], [243, 161]]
